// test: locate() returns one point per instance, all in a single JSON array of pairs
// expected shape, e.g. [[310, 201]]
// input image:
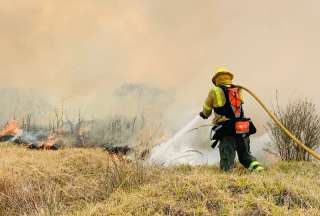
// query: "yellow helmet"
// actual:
[[222, 76]]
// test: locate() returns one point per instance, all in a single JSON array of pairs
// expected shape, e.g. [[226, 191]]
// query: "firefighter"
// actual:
[[231, 128]]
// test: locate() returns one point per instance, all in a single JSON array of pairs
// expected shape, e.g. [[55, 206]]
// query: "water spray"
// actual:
[[174, 150], [162, 150]]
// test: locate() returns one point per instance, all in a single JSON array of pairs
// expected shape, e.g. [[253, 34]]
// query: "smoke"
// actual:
[[79, 52]]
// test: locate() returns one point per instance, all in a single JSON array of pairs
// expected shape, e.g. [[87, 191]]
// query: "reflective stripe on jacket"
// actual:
[[216, 98]]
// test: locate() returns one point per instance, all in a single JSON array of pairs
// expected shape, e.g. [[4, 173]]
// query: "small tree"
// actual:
[[303, 120]]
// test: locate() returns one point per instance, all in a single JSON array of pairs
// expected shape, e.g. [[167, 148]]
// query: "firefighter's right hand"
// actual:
[[202, 115]]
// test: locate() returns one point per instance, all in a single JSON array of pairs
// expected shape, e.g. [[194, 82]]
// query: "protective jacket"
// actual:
[[226, 102]]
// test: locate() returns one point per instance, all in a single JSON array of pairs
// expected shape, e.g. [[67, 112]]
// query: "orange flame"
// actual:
[[117, 157], [11, 128], [50, 143]]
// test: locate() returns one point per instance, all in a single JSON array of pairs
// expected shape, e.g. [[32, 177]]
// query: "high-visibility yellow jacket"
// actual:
[[216, 98]]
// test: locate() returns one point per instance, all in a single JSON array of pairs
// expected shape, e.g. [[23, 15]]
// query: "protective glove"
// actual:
[[202, 115]]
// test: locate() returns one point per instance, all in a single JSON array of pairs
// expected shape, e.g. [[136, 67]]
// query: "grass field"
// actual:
[[87, 182]]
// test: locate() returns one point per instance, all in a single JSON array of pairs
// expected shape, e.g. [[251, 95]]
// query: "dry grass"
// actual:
[[53, 182], [86, 182]]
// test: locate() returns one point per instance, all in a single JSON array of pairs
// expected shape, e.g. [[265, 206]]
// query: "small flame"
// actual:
[[50, 143], [11, 128], [116, 157]]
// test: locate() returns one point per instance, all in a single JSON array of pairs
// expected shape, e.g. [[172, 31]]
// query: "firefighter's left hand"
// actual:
[[202, 115]]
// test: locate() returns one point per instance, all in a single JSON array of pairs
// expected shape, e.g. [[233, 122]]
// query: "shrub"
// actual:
[[302, 119]]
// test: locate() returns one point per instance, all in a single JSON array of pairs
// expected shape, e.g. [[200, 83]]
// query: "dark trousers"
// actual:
[[229, 146]]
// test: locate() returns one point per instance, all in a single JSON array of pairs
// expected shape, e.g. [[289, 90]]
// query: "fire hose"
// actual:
[[278, 122]]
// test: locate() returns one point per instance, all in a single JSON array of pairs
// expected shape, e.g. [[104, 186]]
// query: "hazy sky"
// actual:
[[79, 48]]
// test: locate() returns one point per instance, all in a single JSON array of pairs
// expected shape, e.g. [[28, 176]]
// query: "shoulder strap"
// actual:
[[233, 101]]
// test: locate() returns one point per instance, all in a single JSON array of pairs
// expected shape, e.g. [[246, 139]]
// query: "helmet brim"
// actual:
[[221, 73]]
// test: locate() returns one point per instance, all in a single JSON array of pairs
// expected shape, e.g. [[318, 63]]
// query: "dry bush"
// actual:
[[303, 120]]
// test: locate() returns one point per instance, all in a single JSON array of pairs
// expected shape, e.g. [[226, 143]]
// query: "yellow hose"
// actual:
[[276, 120]]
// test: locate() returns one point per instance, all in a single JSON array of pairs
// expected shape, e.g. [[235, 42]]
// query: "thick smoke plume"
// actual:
[[77, 53]]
